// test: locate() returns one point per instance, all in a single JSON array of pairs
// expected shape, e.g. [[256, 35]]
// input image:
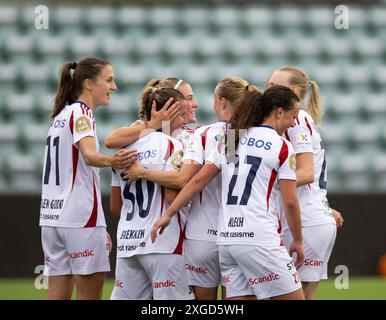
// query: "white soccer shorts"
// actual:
[[158, 276], [202, 263], [77, 251], [263, 271], [318, 242]]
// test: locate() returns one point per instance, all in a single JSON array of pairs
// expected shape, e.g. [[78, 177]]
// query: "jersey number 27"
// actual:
[[255, 164]]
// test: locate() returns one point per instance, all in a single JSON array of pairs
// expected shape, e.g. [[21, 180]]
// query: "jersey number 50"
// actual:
[[138, 198]]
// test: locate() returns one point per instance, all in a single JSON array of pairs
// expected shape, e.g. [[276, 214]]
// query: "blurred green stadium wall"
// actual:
[[358, 246]]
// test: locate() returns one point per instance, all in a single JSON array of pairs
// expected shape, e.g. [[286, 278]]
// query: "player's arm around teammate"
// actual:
[[159, 120], [293, 212], [192, 188], [74, 238], [121, 137], [144, 270]]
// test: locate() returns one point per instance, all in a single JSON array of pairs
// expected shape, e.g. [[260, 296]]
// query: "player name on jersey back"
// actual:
[[143, 202], [70, 188], [250, 187]]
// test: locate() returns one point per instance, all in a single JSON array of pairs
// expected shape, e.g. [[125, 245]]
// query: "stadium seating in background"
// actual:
[[201, 44]]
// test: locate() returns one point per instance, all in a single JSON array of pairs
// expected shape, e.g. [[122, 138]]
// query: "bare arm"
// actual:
[[115, 201], [292, 214], [121, 159], [170, 179], [170, 195], [118, 138], [304, 168], [195, 185], [121, 137]]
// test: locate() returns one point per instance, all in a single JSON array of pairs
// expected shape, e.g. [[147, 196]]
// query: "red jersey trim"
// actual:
[[204, 138], [280, 227], [178, 249], [308, 125], [71, 123], [170, 150], [75, 157], [286, 135], [270, 185], [283, 153], [94, 214]]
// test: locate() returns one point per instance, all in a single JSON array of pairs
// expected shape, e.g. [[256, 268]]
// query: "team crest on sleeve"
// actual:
[[176, 159], [82, 124], [292, 162], [303, 138]]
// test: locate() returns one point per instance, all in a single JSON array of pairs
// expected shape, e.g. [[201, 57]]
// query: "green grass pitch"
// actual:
[[359, 288]]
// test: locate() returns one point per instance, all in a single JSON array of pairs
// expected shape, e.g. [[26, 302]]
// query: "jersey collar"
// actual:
[[265, 126], [82, 103]]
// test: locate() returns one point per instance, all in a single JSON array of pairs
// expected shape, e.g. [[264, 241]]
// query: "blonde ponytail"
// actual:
[[314, 108], [302, 81]]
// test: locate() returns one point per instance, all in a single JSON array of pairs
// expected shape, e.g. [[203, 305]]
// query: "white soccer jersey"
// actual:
[[185, 134], [143, 202], [203, 215], [314, 206], [250, 187], [71, 194]]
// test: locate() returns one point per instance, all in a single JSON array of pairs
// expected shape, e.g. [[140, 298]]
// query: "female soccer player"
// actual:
[[258, 167], [319, 225], [145, 270], [200, 249], [121, 137], [74, 237]]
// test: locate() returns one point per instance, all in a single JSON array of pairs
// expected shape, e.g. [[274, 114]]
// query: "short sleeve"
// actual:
[[287, 170], [194, 149], [216, 156], [83, 124], [300, 138]]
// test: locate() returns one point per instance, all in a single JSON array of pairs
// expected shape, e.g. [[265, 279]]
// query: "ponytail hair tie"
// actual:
[[72, 69], [154, 87]]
